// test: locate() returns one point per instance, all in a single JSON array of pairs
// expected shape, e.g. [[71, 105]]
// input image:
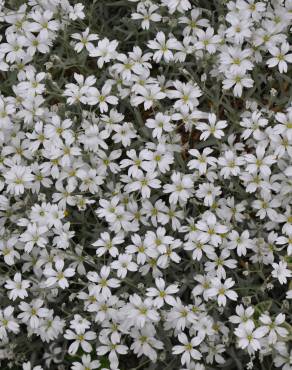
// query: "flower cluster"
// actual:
[[146, 184]]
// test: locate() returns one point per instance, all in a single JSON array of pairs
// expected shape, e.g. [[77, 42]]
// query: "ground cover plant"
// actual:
[[146, 184]]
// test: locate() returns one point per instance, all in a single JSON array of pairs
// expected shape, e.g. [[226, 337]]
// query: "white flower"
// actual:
[[31, 313], [7, 322], [58, 276], [187, 348], [180, 316], [208, 192], [84, 40], [281, 272], [213, 128], [236, 60], [113, 348], [272, 326], [207, 40], [103, 283], [8, 251], [244, 316], [18, 178], [194, 23], [105, 51], [139, 312], [28, 366], [218, 263], [159, 157], [101, 99], [14, 47], [86, 364], [249, 337], [230, 164], [187, 95], [179, 5], [17, 287], [159, 124], [32, 84], [237, 80], [145, 343], [33, 236], [239, 30], [197, 247], [79, 324], [137, 248], [6, 112], [43, 23], [37, 43], [222, 290], [210, 230], [252, 7], [162, 294], [81, 338], [283, 358], [123, 265], [157, 241], [147, 14], [147, 95], [202, 161], [76, 11], [289, 294], [163, 47], [281, 240], [253, 125], [181, 188], [144, 183], [58, 129], [107, 244], [285, 125], [162, 214], [280, 57], [136, 162], [78, 93], [259, 162], [240, 242], [266, 205], [124, 134]]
